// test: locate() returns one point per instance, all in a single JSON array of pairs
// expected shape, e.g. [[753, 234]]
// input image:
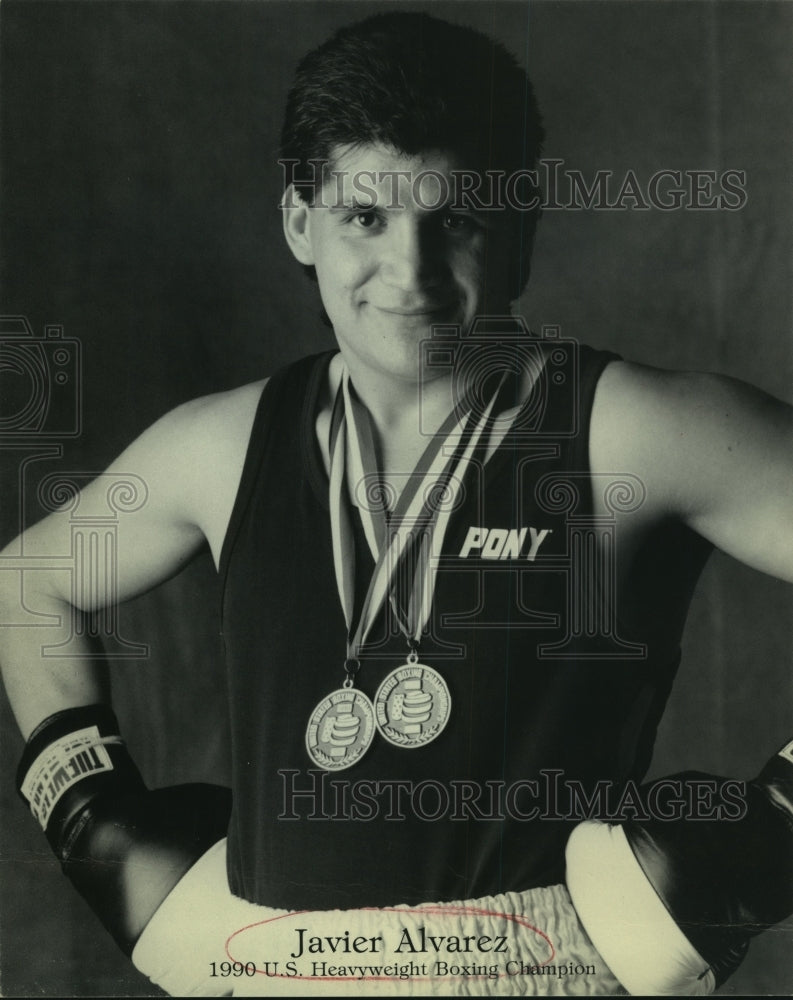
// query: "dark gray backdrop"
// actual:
[[139, 193]]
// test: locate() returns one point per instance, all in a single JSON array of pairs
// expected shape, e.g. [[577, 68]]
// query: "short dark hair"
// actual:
[[414, 82]]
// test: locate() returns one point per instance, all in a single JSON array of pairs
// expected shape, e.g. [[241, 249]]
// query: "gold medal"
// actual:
[[340, 730], [412, 705]]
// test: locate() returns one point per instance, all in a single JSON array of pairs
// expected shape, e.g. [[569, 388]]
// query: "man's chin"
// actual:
[[397, 362], [394, 344]]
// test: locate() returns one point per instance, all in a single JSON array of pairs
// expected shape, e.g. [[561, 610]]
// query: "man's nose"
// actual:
[[413, 259]]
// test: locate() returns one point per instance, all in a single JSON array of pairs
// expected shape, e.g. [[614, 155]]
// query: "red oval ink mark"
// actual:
[[375, 963]]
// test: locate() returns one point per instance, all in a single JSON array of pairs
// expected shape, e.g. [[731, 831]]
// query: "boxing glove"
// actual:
[[671, 903], [123, 847]]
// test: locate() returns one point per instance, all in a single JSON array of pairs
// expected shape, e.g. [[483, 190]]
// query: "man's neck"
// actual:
[[402, 408]]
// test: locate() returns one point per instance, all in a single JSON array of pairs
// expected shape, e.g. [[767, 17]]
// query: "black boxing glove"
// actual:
[[123, 847], [671, 904]]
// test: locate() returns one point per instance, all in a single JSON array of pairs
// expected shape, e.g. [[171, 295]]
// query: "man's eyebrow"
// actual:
[[452, 206], [353, 204]]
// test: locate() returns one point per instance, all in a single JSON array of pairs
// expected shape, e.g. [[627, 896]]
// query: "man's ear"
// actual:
[[297, 225]]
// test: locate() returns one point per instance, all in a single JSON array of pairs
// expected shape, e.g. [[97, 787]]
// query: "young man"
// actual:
[[456, 561]]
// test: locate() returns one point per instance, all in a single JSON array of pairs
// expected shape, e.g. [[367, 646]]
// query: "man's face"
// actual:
[[394, 255]]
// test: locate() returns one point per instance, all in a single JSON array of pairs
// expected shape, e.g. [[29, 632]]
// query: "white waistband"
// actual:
[[205, 942]]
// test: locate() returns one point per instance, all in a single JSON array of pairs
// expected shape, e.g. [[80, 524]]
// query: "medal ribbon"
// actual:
[[416, 521]]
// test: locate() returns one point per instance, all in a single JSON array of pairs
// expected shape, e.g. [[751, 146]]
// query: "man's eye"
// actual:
[[367, 219], [458, 222]]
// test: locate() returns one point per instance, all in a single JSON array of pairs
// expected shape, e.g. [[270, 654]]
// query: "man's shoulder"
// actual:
[[230, 413], [632, 398], [211, 432], [219, 413], [626, 382], [194, 456], [201, 428], [683, 433]]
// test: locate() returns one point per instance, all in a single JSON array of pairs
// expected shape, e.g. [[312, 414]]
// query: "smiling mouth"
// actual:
[[421, 311]]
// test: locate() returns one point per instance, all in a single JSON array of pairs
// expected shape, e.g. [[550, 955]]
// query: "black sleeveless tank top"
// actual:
[[549, 689]]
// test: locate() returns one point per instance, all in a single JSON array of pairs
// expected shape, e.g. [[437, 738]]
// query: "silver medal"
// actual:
[[340, 730], [412, 705]]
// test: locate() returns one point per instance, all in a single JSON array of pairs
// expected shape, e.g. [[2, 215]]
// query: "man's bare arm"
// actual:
[[713, 451], [189, 463]]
